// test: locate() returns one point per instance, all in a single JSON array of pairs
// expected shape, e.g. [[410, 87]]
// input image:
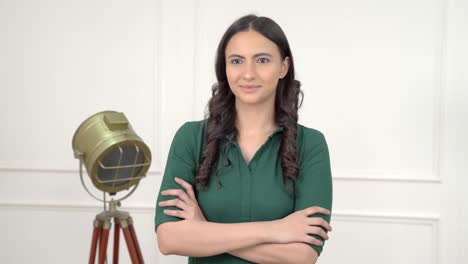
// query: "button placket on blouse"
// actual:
[[244, 178], [253, 162], [251, 167]]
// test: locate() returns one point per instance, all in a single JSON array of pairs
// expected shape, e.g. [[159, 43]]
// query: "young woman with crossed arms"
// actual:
[[248, 184]]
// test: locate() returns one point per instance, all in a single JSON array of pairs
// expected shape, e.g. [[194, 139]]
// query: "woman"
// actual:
[[248, 184]]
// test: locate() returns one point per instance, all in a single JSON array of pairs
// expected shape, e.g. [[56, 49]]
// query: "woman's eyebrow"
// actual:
[[254, 56]]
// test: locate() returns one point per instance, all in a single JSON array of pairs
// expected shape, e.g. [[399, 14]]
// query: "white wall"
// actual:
[[385, 81]]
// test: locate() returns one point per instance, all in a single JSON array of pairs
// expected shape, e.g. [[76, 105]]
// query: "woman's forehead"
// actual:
[[249, 43]]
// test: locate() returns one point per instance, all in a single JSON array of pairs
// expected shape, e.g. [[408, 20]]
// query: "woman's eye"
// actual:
[[263, 60], [236, 61]]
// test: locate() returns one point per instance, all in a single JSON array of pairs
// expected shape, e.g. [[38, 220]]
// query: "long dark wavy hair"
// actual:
[[221, 115]]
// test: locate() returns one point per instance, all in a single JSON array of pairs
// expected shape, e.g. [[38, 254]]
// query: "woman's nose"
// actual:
[[249, 71]]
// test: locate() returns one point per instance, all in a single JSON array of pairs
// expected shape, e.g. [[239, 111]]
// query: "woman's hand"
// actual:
[[298, 226], [186, 201]]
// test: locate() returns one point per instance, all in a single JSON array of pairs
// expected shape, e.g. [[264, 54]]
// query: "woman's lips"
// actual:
[[249, 88]]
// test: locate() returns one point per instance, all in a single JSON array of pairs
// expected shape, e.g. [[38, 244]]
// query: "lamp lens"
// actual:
[[124, 164]]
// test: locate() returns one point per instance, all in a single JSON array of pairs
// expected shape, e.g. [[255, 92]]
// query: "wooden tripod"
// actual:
[[102, 226]]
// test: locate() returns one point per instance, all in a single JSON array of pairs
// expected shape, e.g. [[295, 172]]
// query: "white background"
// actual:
[[385, 81]]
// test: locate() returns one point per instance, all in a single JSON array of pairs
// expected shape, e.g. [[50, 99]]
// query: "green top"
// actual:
[[251, 192]]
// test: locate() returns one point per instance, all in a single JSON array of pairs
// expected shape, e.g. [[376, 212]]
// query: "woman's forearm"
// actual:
[[294, 253], [201, 239]]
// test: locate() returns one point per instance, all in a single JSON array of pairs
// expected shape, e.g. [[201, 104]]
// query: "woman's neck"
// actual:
[[254, 120]]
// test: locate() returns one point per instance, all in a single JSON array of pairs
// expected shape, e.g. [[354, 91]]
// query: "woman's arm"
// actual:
[[256, 241], [293, 253], [201, 239]]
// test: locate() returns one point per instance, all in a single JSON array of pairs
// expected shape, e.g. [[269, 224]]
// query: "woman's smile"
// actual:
[[249, 88]]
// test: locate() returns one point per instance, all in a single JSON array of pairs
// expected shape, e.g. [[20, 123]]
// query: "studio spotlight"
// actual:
[[116, 159]]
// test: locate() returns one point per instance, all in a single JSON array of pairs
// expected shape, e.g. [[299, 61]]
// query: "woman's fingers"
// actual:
[[315, 230], [317, 221], [313, 240], [187, 196], [179, 193], [187, 186], [316, 210], [176, 213], [174, 202]]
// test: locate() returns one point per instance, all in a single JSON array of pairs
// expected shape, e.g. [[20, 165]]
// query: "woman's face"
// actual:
[[253, 67]]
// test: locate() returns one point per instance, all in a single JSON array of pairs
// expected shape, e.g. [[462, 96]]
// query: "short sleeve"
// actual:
[[180, 163], [314, 184]]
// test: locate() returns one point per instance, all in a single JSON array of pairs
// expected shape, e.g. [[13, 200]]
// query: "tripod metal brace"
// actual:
[[102, 226]]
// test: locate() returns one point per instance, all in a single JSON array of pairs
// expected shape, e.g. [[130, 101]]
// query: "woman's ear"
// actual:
[[284, 67]]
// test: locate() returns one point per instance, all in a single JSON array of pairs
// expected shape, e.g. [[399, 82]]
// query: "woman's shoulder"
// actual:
[[309, 136], [190, 136], [310, 141], [188, 128]]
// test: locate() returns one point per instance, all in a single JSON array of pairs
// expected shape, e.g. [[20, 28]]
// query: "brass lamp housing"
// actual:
[[101, 134]]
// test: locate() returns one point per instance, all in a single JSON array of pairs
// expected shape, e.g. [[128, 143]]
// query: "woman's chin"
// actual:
[[250, 100]]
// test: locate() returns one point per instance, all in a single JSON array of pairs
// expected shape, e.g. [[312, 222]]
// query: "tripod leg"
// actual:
[[130, 244], [94, 241], [103, 241], [135, 240], [116, 242]]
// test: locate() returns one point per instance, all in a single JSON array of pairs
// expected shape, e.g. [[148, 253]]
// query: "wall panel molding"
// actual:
[[420, 219], [67, 207], [67, 165], [339, 215], [156, 167], [345, 175], [438, 125]]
